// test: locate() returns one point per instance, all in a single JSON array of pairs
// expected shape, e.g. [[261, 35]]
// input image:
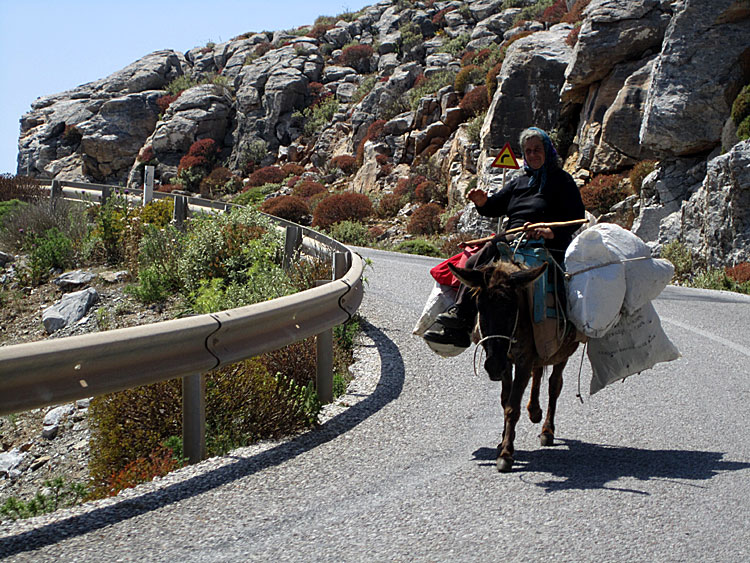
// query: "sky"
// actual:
[[49, 46]]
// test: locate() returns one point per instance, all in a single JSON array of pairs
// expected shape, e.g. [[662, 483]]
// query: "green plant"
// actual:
[[429, 86], [46, 252], [680, 257], [411, 36], [418, 246], [457, 45], [639, 172], [533, 12], [318, 115], [741, 106], [180, 84], [57, 494], [468, 75], [9, 206], [474, 128], [350, 232], [255, 194], [365, 87]]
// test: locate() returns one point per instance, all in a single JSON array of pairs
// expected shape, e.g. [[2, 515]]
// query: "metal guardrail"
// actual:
[[54, 371]]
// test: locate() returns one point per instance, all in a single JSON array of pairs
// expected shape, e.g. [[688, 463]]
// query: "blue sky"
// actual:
[[49, 46]]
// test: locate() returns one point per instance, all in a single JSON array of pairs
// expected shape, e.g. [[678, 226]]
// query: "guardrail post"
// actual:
[[194, 417], [148, 185], [179, 214], [324, 341], [105, 195], [291, 246], [55, 192]]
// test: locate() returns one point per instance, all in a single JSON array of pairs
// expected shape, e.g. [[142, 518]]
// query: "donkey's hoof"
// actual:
[[535, 415], [547, 439], [504, 464]]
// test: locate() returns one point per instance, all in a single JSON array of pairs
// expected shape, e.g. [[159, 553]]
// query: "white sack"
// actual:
[[441, 297], [645, 279], [636, 343], [595, 296]]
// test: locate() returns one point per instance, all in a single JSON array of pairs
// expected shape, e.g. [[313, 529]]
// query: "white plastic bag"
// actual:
[[636, 343], [645, 280], [441, 297], [595, 292]]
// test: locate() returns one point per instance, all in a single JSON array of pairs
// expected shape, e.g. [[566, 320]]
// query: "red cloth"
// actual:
[[443, 275]]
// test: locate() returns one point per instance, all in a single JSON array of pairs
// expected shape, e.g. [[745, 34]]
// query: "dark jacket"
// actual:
[[559, 200]]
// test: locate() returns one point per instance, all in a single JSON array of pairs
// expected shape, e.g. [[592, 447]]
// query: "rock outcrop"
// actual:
[[618, 83]]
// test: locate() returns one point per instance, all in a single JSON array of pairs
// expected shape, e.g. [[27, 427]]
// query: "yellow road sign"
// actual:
[[506, 158]]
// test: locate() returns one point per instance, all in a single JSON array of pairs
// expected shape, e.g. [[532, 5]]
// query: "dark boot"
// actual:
[[445, 335], [459, 316]]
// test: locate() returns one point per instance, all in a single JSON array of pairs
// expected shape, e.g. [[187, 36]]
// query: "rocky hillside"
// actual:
[[408, 85]]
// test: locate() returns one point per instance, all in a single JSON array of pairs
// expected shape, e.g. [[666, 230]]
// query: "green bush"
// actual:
[[57, 494], [350, 232], [158, 273], [474, 128], [318, 115], [411, 36], [418, 246], [254, 195], [46, 252], [639, 172], [429, 86], [457, 45], [743, 131], [741, 106], [9, 206], [680, 257]]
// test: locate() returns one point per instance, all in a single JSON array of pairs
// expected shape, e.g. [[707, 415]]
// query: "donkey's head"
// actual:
[[497, 290]]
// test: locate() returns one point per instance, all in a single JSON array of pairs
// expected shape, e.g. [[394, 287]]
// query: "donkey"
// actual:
[[505, 326]]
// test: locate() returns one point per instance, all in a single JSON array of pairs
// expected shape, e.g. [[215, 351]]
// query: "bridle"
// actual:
[[511, 340]]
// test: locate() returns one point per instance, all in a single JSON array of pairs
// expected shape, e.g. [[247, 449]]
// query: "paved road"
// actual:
[[653, 469]]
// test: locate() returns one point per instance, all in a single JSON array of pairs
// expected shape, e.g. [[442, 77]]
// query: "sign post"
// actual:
[[148, 185], [506, 159]]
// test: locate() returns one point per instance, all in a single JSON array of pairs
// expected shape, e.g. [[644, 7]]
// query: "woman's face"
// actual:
[[533, 153]]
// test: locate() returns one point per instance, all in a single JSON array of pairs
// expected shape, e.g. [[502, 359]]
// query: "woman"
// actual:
[[546, 194]]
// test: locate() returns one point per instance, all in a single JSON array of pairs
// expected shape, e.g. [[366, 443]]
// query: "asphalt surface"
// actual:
[[656, 468]]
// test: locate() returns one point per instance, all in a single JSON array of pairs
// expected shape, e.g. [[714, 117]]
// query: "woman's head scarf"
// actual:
[[539, 177]]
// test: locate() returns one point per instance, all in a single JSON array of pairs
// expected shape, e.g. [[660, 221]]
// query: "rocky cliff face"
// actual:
[[619, 82]]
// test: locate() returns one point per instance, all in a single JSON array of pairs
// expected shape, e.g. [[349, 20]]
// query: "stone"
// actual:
[[75, 279], [6, 258], [71, 308], [701, 68], [10, 462], [54, 418], [528, 87], [39, 462]]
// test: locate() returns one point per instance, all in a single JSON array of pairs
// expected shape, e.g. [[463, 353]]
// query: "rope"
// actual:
[[569, 275], [511, 340], [580, 369]]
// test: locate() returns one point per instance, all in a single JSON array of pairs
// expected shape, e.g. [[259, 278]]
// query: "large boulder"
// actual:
[[704, 63], [84, 133], [714, 220], [528, 87], [612, 32]]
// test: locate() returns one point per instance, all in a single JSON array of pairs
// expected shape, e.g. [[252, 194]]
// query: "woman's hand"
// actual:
[[539, 232], [477, 196]]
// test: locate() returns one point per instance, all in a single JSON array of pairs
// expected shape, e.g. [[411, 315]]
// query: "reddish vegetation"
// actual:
[[425, 220], [374, 132], [266, 175], [390, 205], [555, 12], [289, 207], [354, 53], [602, 192], [308, 188], [346, 206], [475, 101], [739, 273], [163, 102], [346, 163]]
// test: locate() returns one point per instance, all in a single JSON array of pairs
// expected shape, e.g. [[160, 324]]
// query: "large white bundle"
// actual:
[[636, 343], [595, 292], [441, 297], [645, 280]]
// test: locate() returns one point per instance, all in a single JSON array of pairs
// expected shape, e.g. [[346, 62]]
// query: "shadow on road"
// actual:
[[389, 388], [576, 465]]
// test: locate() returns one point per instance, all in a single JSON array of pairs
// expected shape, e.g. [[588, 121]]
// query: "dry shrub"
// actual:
[[22, 188], [425, 220], [292, 169], [739, 273], [554, 13], [389, 205], [352, 55], [572, 37], [163, 102], [289, 207], [374, 132], [575, 14], [309, 188], [602, 192], [346, 163], [470, 74], [342, 207], [475, 102], [266, 175], [639, 172], [220, 181], [450, 246], [490, 80]]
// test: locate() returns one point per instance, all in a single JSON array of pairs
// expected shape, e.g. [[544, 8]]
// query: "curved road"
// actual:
[[653, 469]]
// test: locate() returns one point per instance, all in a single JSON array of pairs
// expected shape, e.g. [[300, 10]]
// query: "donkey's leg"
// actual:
[[555, 386], [512, 413], [535, 411]]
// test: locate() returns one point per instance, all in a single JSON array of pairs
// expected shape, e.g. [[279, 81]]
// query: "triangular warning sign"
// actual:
[[506, 158]]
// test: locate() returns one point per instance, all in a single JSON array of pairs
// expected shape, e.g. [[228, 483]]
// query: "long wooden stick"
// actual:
[[525, 228]]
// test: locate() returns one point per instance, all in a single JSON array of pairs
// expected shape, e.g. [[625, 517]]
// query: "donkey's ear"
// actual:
[[468, 277], [525, 277]]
